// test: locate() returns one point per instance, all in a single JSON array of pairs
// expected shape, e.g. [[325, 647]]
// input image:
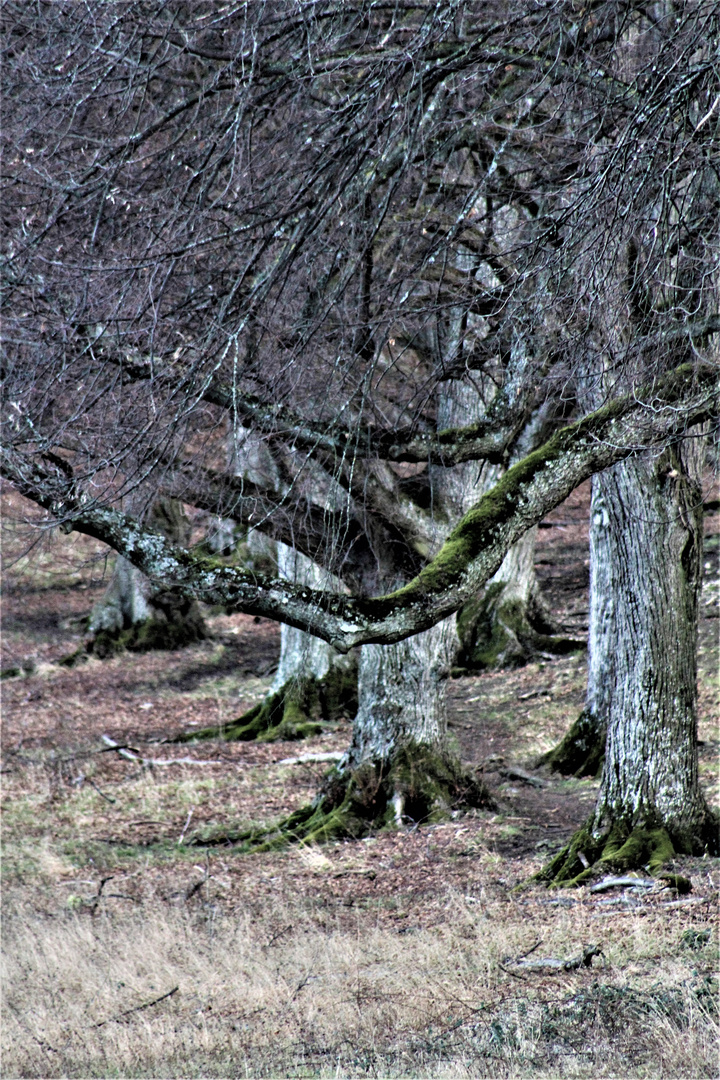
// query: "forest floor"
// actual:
[[130, 953]]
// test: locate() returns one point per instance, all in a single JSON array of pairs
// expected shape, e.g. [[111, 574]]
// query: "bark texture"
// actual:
[[508, 623], [402, 694], [134, 613], [582, 751], [650, 803], [651, 769]]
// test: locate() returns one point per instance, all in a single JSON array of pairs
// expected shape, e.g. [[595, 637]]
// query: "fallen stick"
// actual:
[[551, 965], [512, 772], [124, 752], [331, 756], [139, 1008]]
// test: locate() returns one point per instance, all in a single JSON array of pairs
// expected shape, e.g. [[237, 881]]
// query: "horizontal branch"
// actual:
[[472, 553]]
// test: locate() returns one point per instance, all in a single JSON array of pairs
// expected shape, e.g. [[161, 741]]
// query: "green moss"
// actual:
[[496, 633], [302, 709], [651, 847], [581, 752], [421, 783], [619, 849], [567, 868], [178, 623]]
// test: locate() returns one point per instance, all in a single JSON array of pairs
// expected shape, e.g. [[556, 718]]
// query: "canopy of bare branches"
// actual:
[[249, 246]]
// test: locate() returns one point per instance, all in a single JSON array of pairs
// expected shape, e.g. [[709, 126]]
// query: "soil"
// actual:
[[55, 717]]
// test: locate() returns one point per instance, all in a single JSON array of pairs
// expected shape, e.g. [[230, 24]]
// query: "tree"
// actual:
[[133, 615], [310, 222], [650, 805]]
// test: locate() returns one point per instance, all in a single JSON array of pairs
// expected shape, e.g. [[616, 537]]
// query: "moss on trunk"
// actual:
[[303, 707], [623, 847], [421, 785], [176, 622], [581, 752], [501, 633]]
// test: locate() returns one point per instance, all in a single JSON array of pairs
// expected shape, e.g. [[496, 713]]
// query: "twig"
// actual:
[[196, 886], [185, 826], [537, 945], [108, 798], [96, 899], [515, 974], [138, 1008], [124, 752]]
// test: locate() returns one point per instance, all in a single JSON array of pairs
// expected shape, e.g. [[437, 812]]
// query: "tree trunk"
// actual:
[[135, 615], [582, 751], [508, 623], [402, 694], [650, 804], [314, 685]]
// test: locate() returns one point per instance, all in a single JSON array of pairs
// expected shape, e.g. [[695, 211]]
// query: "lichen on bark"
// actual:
[[650, 803]]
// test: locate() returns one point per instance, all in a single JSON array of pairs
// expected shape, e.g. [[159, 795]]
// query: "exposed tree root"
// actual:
[[300, 709], [496, 633], [581, 752], [420, 786], [622, 848]]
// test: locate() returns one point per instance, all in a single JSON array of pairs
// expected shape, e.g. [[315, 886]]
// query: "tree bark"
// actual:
[[650, 803], [509, 623], [582, 751], [402, 695], [134, 613], [314, 685]]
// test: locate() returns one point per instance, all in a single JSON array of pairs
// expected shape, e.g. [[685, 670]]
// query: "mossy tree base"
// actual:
[[622, 848], [300, 709], [496, 633], [177, 622], [420, 786], [581, 752]]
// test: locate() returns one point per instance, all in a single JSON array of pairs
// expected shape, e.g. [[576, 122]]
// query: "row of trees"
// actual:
[[340, 274]]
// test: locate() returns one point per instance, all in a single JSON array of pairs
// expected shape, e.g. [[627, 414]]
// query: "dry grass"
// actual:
[[342, 1000]]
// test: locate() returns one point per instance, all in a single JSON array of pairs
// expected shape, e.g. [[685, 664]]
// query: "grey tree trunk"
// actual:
[[582, 751], [314, 684], [644, 676], [402, 695], [400, 736], [654, 510], [135, 615]]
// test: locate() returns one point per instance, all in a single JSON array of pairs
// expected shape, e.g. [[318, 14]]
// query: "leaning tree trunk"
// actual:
[[133, 614], [650, 804], [582, 751], [315, 686]]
